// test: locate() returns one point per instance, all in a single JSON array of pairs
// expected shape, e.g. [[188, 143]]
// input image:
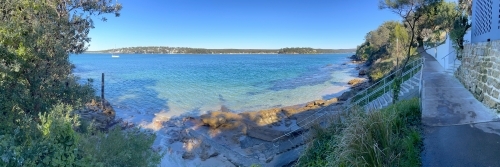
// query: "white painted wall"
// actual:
[[445, 54], [485, 20]]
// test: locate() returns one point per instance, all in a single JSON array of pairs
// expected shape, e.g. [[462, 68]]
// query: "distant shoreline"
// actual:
[[185, 50], [97, 52]]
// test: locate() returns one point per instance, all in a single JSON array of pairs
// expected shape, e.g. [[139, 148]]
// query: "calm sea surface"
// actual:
[[176, 84]]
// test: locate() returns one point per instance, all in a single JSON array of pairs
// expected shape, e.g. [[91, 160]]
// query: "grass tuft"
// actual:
[[387, 137]]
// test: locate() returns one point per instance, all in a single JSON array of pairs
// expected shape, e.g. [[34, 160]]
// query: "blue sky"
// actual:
[[242, 24]]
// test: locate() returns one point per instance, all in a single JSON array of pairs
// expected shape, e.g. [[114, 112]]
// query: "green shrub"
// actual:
[[52, 142], [119, 148]]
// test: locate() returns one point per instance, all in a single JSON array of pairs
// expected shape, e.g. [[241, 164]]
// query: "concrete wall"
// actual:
[[486, 20], [480, 72]]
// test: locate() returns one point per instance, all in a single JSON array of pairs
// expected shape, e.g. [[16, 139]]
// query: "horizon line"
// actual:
[[215, 48]]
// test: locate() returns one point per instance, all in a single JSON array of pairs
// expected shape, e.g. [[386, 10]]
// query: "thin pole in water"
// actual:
[[102, 91]]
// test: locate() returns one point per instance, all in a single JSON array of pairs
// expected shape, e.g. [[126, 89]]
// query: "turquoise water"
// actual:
[[193, 84]]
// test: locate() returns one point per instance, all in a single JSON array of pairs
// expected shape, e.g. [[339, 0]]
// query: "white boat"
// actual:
[[114, 55]]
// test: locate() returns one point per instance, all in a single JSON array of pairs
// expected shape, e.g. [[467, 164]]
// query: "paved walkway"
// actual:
[[458, 129]]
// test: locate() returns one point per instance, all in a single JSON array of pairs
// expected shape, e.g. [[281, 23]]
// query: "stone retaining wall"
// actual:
[[480, 72]]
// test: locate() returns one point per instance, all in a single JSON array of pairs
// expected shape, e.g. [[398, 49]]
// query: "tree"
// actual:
[[377, 43], [436, 19], [408, 10], [460, 26], [36, 40], [465, 6]]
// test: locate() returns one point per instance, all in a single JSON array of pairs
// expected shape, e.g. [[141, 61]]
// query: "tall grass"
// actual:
[[388, 137]]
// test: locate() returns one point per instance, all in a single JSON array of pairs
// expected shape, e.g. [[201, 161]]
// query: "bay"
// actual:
[[190, 84]]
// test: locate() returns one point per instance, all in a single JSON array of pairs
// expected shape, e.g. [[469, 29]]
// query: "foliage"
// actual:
[[436, 19], [389, 137], [411, 11], [465, 6], [119, 148], [322, 146], [50, 143], [36, 39], [396, 87], [460, 27], [53, 142], [381, 68], [378, 43], [296, 50], [383, 48], [37, 89]]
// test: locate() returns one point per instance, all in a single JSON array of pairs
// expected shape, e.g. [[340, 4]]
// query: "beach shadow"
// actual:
[[140, 102]]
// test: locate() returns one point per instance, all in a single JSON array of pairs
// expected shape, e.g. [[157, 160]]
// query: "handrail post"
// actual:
[[384, 84], [366, 95], [368, 101]]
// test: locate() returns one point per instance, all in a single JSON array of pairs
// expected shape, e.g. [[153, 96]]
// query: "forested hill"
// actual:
[[186, 50]]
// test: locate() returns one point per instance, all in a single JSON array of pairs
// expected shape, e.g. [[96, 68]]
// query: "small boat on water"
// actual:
[[114, 55]]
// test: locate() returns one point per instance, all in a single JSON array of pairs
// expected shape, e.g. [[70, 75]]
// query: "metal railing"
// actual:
[[386, 85], [445, 61], [414, 66]]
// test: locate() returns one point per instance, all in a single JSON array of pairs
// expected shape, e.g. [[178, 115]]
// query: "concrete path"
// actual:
[[458, 129]]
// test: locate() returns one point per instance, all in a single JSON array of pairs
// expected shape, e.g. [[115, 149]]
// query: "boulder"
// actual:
[[346, 95], [213, 121], [331, 101], [356, 81], [219, 119], [94, 111], [315, 104], [362, 72]]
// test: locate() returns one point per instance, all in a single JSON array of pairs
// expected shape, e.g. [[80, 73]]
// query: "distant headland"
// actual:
[[186, 50]]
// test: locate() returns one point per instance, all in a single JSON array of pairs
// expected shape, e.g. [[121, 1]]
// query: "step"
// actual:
[[382, 101], [409, 86], [377, 103], [404, 88], [388, 98], [415, 83], [293, 142]]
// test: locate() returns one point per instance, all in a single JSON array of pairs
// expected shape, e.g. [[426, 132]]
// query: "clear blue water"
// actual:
[[193, 84]]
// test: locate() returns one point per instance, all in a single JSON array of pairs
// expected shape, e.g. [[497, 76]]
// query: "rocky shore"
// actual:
[[225, 138]]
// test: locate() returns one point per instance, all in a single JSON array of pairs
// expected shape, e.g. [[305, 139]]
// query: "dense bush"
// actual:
[[119, 148], [52, 142]]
